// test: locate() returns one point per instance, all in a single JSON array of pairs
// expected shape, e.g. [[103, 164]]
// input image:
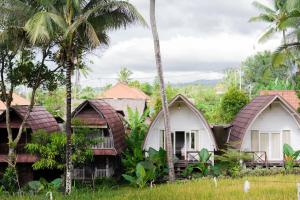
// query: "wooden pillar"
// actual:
[[107, 167]]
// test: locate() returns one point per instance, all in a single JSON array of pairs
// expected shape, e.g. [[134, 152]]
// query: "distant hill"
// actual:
[[202, 82]]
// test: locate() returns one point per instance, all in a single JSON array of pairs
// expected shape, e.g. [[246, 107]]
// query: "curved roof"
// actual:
[[250, 112], [100, 113], [39, 118], [123, 91], [190, 105]]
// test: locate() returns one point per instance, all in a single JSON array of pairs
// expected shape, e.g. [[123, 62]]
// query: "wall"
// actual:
[[274, 118], [182, 118]]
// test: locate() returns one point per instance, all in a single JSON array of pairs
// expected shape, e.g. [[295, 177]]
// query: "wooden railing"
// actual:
[[106, 143], [257, 157], [88, 174], [194, 155]]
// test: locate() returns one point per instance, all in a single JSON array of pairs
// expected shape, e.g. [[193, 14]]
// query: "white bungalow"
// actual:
[[190, 130], [263, 126]]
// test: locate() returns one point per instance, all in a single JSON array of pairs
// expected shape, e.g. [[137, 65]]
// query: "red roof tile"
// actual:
[[17, 100], [289, 95], [21, 158]]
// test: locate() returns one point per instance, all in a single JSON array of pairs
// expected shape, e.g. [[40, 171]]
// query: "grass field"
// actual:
[[262, 188]]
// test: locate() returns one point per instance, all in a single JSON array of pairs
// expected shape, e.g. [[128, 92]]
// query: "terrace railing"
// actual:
[[88, 174], [257, 157], [106, 143]]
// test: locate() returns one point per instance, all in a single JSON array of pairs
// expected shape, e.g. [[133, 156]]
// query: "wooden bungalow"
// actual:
[[106, 123], [263, 126], [39, 118], [190, 132]]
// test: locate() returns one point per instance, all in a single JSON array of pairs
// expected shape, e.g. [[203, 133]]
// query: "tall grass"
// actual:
[[262, 188]]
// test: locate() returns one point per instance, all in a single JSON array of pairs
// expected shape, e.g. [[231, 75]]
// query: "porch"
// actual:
[[106, 143], [87, 173], [260, 158]]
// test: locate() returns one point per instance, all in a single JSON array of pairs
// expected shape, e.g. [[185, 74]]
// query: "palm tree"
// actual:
[[164, 100], [275, 17], [78, 26]]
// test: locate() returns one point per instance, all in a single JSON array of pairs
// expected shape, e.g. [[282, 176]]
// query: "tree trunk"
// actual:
[[68, 128], [164, 100]]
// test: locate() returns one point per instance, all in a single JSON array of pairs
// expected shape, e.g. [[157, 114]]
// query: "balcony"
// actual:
[[106, 143], [91, 174]]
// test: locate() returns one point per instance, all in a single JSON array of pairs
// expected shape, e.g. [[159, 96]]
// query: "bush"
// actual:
[[267, 171], [10, 180], [232, 102]]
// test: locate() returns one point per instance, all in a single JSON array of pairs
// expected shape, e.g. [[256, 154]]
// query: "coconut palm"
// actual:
[[164, 100], [78, 26], [275, 17]]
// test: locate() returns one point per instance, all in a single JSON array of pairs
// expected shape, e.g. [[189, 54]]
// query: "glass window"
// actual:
[[275, 145], [192, 140], [264, 142], [162, 139], [254, 140], [286, 137]]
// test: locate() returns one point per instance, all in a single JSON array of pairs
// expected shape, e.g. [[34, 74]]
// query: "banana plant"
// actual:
[[290, 156]]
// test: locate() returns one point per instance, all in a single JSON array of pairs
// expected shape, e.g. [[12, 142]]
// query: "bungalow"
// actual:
[[121, 96], [190, 130], [17, 101], [106, 123], [39, 118], [263, 126]]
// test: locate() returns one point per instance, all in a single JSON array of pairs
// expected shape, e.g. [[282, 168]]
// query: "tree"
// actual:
[[275, 16], [124, 75], [87, 93], [78, 26], [163, 92], [259, 72], [232, 102]]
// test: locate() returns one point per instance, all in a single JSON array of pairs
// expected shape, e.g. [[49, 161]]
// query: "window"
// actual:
[[255, 140], [162, 139], [192, 140], [286, 137], [270, 142]]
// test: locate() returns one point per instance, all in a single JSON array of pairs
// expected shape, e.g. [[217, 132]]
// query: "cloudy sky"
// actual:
[[199, 39]]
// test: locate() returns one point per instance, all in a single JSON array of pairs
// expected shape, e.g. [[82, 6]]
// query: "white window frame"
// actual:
[[269, 140]]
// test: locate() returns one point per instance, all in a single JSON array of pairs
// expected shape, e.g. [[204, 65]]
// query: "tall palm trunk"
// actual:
[[68, 127], [164, 100]]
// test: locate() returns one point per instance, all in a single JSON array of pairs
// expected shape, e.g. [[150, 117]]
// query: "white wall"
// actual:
[[274, 119], [182, 119]]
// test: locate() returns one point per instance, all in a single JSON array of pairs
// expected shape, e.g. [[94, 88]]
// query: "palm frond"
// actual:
[[263, 7], [41, 27], [267, 34], [263, 18], [91, 35]]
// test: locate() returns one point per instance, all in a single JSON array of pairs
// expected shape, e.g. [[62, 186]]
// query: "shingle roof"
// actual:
[[246, 116], [102, 114], [39, 118], [123, 91], [289, 95], [17, 100]]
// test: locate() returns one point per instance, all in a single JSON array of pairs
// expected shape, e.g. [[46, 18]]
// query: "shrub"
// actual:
[[290, 156], [10, 180], [232, 102], [230, 162]]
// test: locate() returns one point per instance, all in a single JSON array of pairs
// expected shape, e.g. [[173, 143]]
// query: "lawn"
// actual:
[[270, 187]]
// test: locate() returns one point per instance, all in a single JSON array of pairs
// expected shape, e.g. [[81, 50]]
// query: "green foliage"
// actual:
[[145, 87], [232, 102], [230, 161], [87, 93], [290, 156], [53, 101], [51, 148], [171, 92], [134, 152], [9, 180], [37, 187], [144, 173], [202, 166], [124, 75]]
